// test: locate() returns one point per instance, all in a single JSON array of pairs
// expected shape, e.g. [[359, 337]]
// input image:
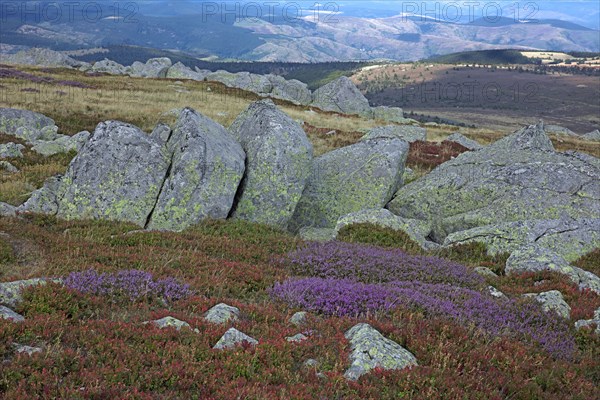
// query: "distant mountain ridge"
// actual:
[[310, 38]]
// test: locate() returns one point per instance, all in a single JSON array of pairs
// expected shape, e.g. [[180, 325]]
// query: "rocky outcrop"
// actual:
[[11, 150], [519, 178], [291, 90], [593, 136], [7, 313], [341, 96], [27, 125], [7, 167], [110, 67], [242, 80], [205, 167], [7, 210], [180, 71], [42, 58], [361, 176], [153, 68], [405, 132], [535, 258], [278, 162], [552, 301], [464, 141], [370, 349], [233, 338]]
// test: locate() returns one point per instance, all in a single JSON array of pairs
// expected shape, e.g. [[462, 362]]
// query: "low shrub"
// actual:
[[134, 285], [7, 254], [371, 264]]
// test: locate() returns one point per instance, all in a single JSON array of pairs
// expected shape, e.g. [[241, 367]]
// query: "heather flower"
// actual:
[[133, 284], [371, 264]]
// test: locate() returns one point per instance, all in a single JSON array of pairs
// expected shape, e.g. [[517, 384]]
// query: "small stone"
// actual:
[[495, 292], [296, 338], [299, 318], [552, 301], [222, 314], [310, 363], [21, 348], [232, 338], [486, 272], [170, 322], [7, 313], [8, 167]]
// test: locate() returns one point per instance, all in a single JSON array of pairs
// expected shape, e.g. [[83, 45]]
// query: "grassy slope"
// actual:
[[102, 347]]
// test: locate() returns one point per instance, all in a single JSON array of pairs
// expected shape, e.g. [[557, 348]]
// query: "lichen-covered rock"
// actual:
[[153, 68], [10, 292], [342, 96], [361, 176], [11, 150], [46, 199], [417, 230], [299, 318], [291, 90], [7, 210], [63, 144], [7, 313], [7, 167], [161, 133], [313, 234], [233, 338], [495, 292], [222, 313], [587, 322], [464, 141], [535, 258], [409, 175], [170, 322], [370, 349], [552, 301], [485, 272], [110, 67], [569, 238], [409, 133], [242, 80], [180, 71], [593, 136], [117, 175], [389, 114], [27, 125], [518, 178], [42, 57], [206, 167], [278, 161]]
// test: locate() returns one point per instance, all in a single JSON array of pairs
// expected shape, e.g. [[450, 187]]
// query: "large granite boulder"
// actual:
[[205, 167], [518, 178], [242, 80], [361, 176], [278, 163], [117, 175], [567, 237], [370, 349], [110, 67], [409, 133], [342, 96], [389, 114], [27, 125], [180, 71], [536, 258], [42, 58], [291, 90], [153, 68]]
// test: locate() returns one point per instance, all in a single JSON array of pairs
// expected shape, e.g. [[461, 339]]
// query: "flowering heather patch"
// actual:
[[371, 264], [134, 284], [343, 297]]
